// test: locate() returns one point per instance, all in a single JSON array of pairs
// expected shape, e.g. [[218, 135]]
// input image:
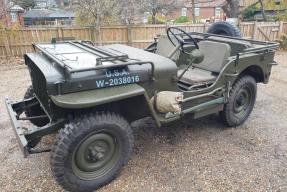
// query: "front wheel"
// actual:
[[89, 152], [241, 101]]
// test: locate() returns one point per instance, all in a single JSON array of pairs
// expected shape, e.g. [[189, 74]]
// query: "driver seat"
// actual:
[[215, 58], [165, 47]]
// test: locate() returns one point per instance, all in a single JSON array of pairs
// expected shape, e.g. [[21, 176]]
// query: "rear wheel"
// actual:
[[35, 110], [241, 101], [89, 152]]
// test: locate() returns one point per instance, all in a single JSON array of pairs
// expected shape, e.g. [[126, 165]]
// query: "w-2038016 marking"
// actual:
[[117, 77]]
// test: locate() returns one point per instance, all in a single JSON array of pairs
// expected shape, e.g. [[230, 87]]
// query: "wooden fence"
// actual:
[[17, 43]]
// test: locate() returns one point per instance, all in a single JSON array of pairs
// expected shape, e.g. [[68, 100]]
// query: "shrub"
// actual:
[[280, 17], [249, 12], [158, 20], [182, 19], [10, 32], [283, 42]]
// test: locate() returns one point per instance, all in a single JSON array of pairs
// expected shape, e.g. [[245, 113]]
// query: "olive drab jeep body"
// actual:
[[89, 95]]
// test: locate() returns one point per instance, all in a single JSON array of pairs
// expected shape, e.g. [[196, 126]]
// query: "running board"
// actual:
[[169, 117]]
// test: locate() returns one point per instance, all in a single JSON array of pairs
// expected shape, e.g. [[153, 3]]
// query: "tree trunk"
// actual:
[[62, 4], [193, 11], [262, 10], [153, 17], [98, 28], [231, 8]]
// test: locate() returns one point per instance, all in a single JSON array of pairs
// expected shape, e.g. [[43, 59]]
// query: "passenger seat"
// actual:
[[215, 58]]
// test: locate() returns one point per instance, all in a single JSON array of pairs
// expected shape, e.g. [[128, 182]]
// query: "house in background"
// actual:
[[11, 14], [204, 9], [48, 17], [16, 15], [45, 4], [270, 14]]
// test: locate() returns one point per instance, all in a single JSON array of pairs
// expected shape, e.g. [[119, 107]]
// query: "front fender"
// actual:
[[92, 98]]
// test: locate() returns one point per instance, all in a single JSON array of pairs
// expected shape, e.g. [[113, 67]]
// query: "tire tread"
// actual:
[[223, 24], [72, 131], [225, 114]]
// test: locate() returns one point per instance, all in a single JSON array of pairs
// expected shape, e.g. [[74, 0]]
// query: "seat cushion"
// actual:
[[215, 55], [196, 76]]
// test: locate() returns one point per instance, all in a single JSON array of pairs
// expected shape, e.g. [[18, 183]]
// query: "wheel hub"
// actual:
[[242, 100], [95, 155]]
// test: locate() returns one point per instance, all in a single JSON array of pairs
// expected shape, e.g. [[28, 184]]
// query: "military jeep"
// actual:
[[89, 95]]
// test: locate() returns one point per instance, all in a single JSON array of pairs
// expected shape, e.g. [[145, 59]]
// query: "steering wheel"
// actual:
[[181, 41]]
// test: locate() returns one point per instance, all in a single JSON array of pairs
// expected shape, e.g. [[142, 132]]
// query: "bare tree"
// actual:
[[193, 11], [96, 12], [193, 5], [3, 10], [158, 6], [25, 4], [231, 8], [262, 10], [129, 10]]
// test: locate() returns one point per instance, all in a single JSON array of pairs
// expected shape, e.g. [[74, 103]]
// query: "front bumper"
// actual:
[[19, 132], [26, 136]]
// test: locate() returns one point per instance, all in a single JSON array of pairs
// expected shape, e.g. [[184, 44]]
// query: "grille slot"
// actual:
[[39, 84]]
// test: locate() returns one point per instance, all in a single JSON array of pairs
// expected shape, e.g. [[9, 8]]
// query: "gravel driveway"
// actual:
[[191, 155]]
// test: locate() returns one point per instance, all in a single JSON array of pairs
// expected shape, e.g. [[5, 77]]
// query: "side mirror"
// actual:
[[196, 56]]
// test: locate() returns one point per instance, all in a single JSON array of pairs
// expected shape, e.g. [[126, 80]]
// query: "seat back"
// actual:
[[235, 44], [165, 47], [215, 55]]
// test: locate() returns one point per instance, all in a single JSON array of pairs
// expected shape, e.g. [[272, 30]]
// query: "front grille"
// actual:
[[39, 83]]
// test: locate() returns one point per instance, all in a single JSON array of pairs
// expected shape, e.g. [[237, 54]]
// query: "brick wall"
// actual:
[[204, 13]]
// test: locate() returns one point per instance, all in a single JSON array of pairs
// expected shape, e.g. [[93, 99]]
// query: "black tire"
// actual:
[[241, 101], [224, 28], [75, 153], [35, 110]]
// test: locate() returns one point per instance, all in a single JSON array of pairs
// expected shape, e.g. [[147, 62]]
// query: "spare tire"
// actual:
[[224, 28]]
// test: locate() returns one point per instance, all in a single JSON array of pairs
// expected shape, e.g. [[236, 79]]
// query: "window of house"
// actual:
[[13, 17], [184, 12], [217, 11], [196, 11], [145, 17]]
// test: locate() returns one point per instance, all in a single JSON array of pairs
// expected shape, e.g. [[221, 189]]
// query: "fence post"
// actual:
[[6, 43], [254, 30], [130, 38], [62, 33], [58, 33], [281, 24], [204, 27], [98, 36], [92, 32]]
